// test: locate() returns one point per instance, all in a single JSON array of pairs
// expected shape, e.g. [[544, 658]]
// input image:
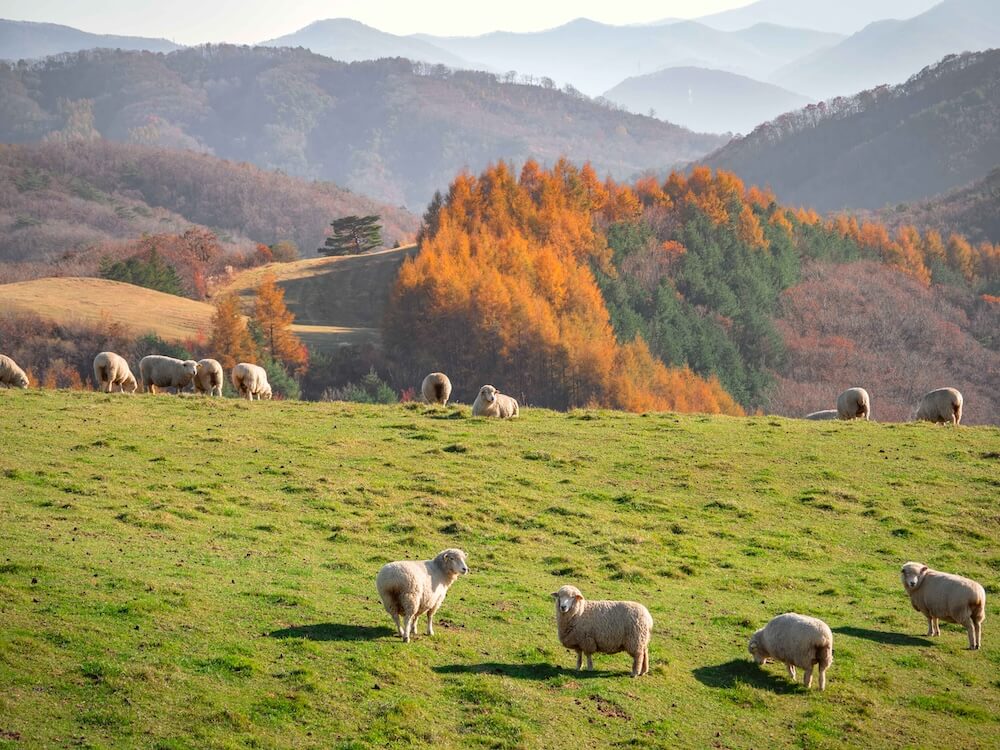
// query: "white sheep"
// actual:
[[941, 406], [158, 371], [798, 641], [854, 403], [209, 377], [825, 414], [436, 388], [491, 403], [943, 596], [11, 375], [250, 380], [603, 627], [410, 588], [111, 369]]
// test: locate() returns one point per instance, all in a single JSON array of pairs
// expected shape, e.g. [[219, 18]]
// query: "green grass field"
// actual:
[[194, 573]]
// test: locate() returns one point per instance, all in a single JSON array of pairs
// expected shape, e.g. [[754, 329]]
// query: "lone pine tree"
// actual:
[[353, 234]]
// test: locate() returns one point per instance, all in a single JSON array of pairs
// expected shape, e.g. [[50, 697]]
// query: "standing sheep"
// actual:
[[209, 378], [491, 403], [798, 641], [409, 588], [251, 380], [436, 388], [941, 406], [854, 404], [111, 369], [158, 371], [825, 414], [603, 627], [11, 375], [943, 596]]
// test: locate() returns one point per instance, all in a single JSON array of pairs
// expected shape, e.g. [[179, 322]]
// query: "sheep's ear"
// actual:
[[923, 570], [578, 597], [446, 556], [555, 594]]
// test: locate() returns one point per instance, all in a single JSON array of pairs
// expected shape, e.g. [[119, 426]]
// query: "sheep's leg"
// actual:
[[930, 625], [937, 626], [430, 625], [645, 661], [413, 624], [979, 633], [408, 618], [637, 664], [791, 670], [807, 678], [970, 627], [579, 660], [590, 663], [395, 619], [822, 678]]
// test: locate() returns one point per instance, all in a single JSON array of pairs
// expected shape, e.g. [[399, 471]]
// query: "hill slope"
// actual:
[[706, 100], [233, 600], [844, 16], [27, 40], [889, 52], [381, 128], [889, 145]]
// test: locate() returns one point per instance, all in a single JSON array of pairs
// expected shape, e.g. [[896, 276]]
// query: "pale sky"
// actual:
[[247, 21]]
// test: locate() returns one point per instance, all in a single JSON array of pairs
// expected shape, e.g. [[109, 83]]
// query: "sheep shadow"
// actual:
[[744, 671], [539, 671], [334, 631], [883, 636]]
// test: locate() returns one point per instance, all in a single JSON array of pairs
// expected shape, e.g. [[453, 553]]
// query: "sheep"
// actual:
[[410, 588], [798, 641], [604, 627], [250, 380], [11, 375], [158, 371], [111, 369], [854, 404], [491, 403], [943, 596], [941, 406], [436, 388], [825, 414], [209, 377]]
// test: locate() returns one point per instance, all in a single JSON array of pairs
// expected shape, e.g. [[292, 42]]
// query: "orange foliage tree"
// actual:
[[230, 340], [502, 291], [275, 323]]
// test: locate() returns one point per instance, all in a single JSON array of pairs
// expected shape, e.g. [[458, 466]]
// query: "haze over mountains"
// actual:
[[25, 40], [841, 16]]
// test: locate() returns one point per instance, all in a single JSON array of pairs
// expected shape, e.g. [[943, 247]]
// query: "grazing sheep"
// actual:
[[603, 627], [491, 403], [943, 596], [825, 414], [941, 406], [158, 371], [798, 641], [11, 375], [409, 588], [209, 378], [251, 380], [436, 388], [854, 404], [111, 369]]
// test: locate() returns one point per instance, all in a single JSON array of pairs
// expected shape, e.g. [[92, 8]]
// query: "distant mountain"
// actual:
[[594, 56], [706, 100], [26, 40], [891, 51], [972, 210], [883, 146], [390, 129], [842, 16], [349, 40]]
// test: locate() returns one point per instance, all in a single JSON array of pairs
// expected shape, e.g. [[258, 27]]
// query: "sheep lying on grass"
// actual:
[[436, 388], [209, 378], [11, 375], [854, 403], [942, 406], [825, 414], [491, 403], [603, 627], [798, 641], [111, 369], [251, 380], [158, 371], [943, 596], [410, 588]]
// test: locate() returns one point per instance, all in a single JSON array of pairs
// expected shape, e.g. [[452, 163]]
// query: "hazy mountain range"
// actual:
[[840, 16], [25, 40]]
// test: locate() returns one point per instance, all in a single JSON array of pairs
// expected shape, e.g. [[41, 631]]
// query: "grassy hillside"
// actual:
[[193, 573]]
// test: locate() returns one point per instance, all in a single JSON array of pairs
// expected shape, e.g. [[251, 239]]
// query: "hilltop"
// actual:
[[27, 40], [187, 572]]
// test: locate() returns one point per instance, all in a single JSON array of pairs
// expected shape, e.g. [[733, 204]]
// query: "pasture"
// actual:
[[196, 573]]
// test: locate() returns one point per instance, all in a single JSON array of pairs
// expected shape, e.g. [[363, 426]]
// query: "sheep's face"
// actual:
[[130, 385], [567, 598], [22, 381], [488, 394], [913, 575], [756, 650], [190, 367], [267, 392], [453, 561]]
